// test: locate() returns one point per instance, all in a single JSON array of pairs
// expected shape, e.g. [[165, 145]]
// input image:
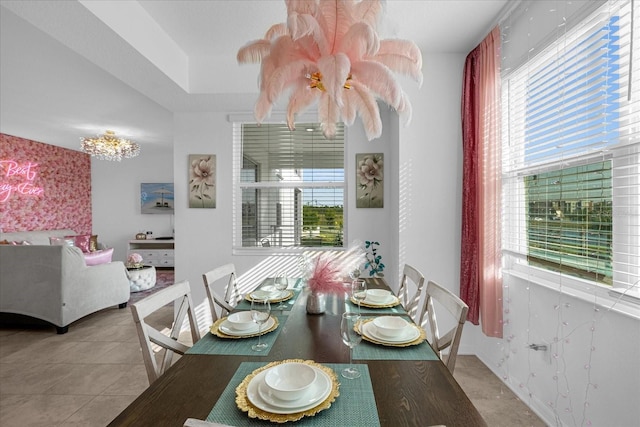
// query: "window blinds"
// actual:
[[291, 186], [571, 162]]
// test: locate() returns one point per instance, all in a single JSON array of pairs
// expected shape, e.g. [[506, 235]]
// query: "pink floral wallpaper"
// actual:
[[43, 187]]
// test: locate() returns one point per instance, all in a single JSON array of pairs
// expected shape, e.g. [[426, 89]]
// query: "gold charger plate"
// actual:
[[369, 305], [215, 329], [419, 340], [281, 299], [243, 403]]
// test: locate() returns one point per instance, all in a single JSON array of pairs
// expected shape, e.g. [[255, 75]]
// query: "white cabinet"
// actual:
[[159, 253]]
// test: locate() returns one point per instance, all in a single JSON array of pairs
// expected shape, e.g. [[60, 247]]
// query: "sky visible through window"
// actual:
[[323, 196], [580, 113]]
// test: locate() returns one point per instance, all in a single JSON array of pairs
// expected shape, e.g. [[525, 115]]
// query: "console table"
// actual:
[[158, 253]]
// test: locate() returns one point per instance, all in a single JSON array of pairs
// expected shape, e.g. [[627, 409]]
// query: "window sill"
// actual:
[[275, 251], [631, 295], [618, 300]]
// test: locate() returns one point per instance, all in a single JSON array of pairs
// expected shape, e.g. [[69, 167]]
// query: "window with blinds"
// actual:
[[571, 151], [289, 186]]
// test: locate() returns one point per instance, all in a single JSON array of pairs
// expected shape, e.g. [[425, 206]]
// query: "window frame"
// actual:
[[515, 229], [237, 120]]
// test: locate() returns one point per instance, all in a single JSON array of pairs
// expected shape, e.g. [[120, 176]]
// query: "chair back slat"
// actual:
[[221, 299], [456, 308], [411, 305], [180, 294]]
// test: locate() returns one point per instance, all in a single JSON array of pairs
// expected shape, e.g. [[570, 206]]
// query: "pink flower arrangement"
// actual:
[[325, 275], [134, 260], [328, 271]]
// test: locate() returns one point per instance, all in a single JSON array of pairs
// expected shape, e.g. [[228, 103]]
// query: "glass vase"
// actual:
[[316, 303]]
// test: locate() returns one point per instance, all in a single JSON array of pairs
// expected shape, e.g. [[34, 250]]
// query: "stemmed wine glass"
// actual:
[[281, 283], [351, 338], [358, 291], [355, 273], [260, 313]]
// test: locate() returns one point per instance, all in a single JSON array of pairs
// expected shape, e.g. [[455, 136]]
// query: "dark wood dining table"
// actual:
[[407, 392]]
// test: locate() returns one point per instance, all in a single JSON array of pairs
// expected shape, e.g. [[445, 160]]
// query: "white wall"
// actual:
[[591, 373], [430, 164], [116, 198], [204, 236]]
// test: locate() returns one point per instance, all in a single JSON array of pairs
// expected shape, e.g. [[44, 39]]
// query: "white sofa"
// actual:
[[54, 283]]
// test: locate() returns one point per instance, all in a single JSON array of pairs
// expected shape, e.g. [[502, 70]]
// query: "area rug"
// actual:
[[164, 278]]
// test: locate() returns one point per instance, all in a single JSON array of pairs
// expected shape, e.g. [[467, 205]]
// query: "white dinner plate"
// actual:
[[225, 328], [319, 390], [391, 299], [273, 293], [370, 330]]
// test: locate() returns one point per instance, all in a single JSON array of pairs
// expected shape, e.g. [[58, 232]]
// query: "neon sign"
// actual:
[[13, 171]]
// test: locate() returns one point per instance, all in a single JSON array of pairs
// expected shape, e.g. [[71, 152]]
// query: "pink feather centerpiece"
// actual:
[[325, 277], [329, 52], [328, 271]]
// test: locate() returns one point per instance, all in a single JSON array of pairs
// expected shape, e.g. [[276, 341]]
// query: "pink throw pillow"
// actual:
[[82, 241], [98, 257]]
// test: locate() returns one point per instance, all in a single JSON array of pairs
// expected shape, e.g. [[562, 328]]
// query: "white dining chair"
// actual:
[[224, 295], [150, 337], [411, 277], [456, 308]]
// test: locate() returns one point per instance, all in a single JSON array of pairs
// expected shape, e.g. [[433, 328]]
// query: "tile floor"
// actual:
[[90, 374]]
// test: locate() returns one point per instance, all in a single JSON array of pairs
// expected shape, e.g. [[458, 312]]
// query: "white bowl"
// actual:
[[390, 326], [377, 295], [240, 321], [289, 381]]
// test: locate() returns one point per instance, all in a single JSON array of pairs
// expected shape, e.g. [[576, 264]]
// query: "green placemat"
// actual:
[[369, 351], [351, 307], [356, 405], [211, 344], [244, 305]]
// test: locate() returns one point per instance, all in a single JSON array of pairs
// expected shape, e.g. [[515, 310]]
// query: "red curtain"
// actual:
[[480, 264]]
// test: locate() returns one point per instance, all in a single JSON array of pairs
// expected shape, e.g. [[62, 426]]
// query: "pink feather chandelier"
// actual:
[[329, 52]]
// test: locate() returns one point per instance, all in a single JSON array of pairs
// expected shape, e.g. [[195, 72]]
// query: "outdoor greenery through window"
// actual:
[[290, 185], [571, 156], [569, 215]]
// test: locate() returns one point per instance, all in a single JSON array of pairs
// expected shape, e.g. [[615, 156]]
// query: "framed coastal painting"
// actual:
[[156, 198], [369, 180], [202, 181]]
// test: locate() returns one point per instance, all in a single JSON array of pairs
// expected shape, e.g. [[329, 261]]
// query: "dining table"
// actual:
[[400, 386]]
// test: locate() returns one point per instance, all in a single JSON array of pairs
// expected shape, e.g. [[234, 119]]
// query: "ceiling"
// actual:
[[76, 68]]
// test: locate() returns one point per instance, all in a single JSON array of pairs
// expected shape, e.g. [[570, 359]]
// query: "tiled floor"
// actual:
[[90, 374]]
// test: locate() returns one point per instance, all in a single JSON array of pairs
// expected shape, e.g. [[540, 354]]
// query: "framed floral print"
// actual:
[[202, 181], [369, 180]]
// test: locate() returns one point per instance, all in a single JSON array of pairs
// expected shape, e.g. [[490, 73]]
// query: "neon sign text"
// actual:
[[13, 170]]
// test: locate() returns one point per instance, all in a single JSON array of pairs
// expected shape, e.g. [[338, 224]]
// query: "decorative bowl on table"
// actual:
[[256, 398], [290, 381], [241, 321], [221, 328], [377, 296], [390, 326]]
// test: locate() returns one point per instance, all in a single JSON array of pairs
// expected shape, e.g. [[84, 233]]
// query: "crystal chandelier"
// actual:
[[109, 147]]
